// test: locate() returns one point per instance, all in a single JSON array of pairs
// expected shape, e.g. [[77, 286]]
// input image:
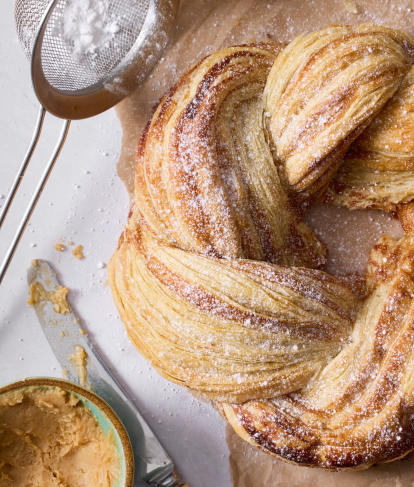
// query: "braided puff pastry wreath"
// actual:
[[216, 276]]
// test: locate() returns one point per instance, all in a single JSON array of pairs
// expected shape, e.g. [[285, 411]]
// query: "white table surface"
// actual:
[[84, 201]]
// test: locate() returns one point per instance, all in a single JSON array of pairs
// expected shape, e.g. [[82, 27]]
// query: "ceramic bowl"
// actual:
[[104, 415]]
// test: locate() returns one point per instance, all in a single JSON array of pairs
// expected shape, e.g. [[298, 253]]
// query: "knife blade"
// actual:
[[152, 463]]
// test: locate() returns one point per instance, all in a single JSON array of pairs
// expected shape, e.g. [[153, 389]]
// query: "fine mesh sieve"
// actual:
[[28, 15], [77, 87]]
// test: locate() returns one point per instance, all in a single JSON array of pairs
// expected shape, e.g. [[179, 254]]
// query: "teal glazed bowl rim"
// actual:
[[104, 414]]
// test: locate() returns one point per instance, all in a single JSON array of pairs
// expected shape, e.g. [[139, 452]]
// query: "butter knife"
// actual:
[[153, 466]]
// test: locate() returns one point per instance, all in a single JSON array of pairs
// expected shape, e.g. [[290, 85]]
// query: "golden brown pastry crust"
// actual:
[[197, 276], [322, 92], [378, 170], [405, 212], [231, 329], [205, 176], [359, 411]]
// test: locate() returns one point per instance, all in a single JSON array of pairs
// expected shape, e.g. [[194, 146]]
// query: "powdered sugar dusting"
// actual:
[[88, 26], [350, 235]]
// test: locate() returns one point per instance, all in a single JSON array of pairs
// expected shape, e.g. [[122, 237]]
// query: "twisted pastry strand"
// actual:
[[378, 170], [206, 180], [257, 331], [323, 90], [360, 410]]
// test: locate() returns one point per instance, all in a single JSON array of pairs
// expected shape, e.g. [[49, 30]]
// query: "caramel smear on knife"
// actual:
[[38, 294], [79, 359]]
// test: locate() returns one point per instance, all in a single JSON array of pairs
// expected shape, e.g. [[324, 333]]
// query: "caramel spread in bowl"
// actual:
[[48, 437]]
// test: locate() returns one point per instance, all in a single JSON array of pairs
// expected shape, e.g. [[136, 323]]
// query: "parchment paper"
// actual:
[[202, 27], [250, 467]]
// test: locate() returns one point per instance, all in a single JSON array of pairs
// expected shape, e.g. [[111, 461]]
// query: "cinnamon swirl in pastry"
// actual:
[[322, 92]]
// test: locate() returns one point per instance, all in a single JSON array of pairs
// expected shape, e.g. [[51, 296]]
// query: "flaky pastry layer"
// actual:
[[359, 411], [206, 180], [378, 170], [322, 92], [232, 329]]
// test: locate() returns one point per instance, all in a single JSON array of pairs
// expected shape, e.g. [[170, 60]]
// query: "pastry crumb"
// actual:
[[34, 263], [350, 6], [70, 243], [60, 247], [77, 252]]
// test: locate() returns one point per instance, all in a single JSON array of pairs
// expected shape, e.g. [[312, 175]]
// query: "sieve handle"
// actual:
[[25, 163], [45, 176]]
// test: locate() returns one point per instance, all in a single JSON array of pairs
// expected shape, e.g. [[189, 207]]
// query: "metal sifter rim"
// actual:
[[123, 80]]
